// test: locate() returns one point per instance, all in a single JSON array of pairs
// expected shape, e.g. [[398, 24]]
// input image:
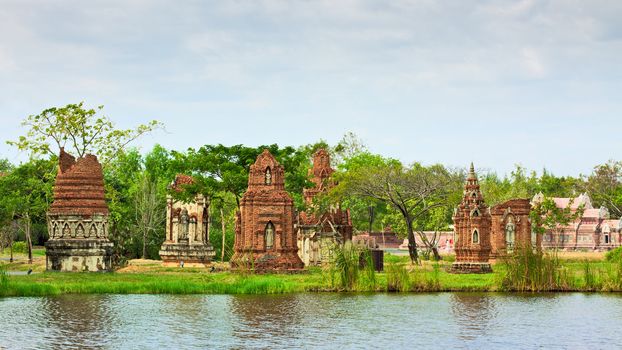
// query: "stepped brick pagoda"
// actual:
[[472, 223], [264, 234], [78, 217], [318, 235], [187, 236], [511, 227]]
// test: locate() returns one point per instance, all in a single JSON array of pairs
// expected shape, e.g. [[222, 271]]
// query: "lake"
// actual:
[[331, 321]]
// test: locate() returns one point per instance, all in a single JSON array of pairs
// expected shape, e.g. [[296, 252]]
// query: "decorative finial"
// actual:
[[472, 172]]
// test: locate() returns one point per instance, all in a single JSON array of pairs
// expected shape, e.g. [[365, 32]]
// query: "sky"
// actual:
[[499, 83]]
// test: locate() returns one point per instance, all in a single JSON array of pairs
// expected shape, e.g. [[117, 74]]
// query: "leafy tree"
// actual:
[[413, 191], [80, 129], [547, 217], [605, 187], [25, 195]]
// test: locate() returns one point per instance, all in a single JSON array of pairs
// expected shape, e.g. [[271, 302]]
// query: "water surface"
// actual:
[[332, 321]]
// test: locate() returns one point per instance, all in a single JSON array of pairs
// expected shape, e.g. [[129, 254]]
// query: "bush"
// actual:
[[20, 247], [614, 255]]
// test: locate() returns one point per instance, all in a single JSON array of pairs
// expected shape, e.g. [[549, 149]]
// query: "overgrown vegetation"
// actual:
[[529, 270], [544, 273]]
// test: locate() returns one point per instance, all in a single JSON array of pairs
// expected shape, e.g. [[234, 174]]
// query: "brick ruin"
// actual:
[[511, 227], [187, 236], [472, 224], [264, 232], [319, 234], [78, 217]]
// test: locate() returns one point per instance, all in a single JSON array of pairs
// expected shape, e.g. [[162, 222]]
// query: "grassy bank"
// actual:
[[399, 276]]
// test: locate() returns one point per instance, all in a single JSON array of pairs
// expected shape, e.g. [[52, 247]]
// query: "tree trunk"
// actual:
[[144, 243], [28, 239], [11, 259], [222, 221], [412, 244], [209, 221]]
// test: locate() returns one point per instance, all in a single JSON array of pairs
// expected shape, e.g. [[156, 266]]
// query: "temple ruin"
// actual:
[[511, 227], [78, 217], [472, 224], [187, 235], [264, 232], [319, 234]]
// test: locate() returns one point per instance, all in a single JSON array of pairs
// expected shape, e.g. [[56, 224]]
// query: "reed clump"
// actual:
[[529, 270], [398, 278], [346, 265], [368, 281], [4, 280]]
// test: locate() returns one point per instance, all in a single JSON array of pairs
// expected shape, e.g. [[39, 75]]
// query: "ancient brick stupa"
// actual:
[[187, 241], [318, 234], [264, 234], [78, 217], [472, 224]]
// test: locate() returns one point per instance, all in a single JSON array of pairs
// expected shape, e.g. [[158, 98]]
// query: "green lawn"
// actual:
[[155, 279]]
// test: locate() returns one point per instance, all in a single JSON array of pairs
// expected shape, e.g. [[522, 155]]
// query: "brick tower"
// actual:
[[264, 234], [78, 217], [472, 224], [319, 233]]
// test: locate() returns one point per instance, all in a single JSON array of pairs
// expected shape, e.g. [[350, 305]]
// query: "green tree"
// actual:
[[25, 196], [547, 217], [80, 129], [605, 187], [412, 191]]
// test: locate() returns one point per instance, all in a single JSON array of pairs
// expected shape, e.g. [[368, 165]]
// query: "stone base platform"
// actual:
[[283, 262], [470, 267], [78, 255], [191, 254]]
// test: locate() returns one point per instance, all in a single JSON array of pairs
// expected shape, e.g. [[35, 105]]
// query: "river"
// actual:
[[331, 321]]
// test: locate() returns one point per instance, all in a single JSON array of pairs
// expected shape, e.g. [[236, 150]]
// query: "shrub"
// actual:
[[20, 247], [614, 255]]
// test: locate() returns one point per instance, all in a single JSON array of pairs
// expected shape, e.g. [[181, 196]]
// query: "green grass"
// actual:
[[399, 276]]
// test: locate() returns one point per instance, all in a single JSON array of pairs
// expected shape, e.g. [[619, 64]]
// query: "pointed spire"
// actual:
[[472, 173]]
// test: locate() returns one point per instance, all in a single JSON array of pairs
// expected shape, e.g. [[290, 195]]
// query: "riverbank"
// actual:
[[150, 277]]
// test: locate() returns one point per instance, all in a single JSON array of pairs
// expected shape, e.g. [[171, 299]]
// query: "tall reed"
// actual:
[[398, 278], [590, 277], [4, 280], [367, 281], [346, 265], [527, 269]]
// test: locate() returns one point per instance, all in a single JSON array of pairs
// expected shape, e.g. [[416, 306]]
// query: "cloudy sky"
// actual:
[[495, 82]]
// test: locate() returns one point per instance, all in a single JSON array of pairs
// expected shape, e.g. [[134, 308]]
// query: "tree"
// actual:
[[25, 195], [605, 186], [547, 217], [149, 209], [80, 129], [413, 191]]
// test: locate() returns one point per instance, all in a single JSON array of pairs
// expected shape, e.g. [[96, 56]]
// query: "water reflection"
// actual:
[[268, 317], [473, 313], [75, 321], [348, 321]]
